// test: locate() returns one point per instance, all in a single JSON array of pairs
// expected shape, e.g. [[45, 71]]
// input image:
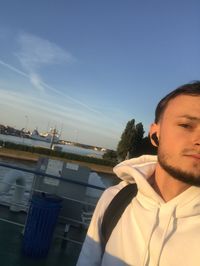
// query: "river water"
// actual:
[[5, 198], [65, 148], [98, 179]]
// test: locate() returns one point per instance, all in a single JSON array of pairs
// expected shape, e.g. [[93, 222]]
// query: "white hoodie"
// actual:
[[151, 232]]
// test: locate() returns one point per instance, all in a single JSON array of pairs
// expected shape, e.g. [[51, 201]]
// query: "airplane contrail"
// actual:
[[69, 97], [14, 69], [49, 87]]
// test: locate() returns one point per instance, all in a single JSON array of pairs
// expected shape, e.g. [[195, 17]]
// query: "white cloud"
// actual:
[[36, 81], [36, 53]]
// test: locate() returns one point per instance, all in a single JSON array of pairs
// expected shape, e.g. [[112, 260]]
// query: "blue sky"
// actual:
[[89, 66]]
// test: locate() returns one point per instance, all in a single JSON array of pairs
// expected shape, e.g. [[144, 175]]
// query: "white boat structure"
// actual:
[[51, 136]]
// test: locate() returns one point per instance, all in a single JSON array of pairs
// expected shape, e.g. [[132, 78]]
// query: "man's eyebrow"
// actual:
[[189, 117]]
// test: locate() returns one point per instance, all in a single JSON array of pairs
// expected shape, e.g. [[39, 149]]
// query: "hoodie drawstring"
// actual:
[[146, 252], [146, 257], [172, 214]]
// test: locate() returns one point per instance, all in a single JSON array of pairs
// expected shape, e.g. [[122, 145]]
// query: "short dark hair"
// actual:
[[192, 89]]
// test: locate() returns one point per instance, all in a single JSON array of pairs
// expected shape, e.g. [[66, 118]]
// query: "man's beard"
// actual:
[[177, 173]]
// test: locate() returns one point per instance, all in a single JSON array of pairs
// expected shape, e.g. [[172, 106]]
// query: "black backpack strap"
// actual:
[[115, 209]]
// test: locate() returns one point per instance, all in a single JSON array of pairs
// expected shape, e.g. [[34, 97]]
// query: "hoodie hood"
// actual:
[[139, 170], [145, 165]]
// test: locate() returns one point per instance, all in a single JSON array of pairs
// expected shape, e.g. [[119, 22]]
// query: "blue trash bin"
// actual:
[[41, 221]]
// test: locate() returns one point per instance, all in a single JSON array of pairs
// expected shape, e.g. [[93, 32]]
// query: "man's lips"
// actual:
[[196, 156]]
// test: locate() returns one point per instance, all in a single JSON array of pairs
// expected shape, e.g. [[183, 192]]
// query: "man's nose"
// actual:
[[197, 138]]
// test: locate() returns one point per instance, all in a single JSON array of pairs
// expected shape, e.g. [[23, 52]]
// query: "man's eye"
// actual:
[[185, 125]]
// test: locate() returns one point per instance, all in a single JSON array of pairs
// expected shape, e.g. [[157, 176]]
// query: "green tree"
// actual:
[[135, 149], [111, 156], [131, 140]]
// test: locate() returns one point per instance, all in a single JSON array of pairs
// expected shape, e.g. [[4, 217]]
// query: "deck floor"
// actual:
[[11, 250]]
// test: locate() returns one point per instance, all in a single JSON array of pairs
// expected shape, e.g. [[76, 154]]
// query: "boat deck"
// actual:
[[11, 250], [74, 217], [61, 253]]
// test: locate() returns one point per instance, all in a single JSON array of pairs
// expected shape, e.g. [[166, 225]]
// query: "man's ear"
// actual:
[[154, 134]]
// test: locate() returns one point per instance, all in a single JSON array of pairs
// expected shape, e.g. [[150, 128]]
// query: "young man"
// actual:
[[161, 225]]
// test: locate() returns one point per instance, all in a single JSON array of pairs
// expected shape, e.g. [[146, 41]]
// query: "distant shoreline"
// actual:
[[33, 157]]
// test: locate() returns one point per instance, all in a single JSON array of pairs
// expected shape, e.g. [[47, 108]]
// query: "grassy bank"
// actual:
[[29, 156]]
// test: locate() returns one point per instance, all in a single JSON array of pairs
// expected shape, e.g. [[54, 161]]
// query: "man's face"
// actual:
[[179, 139]]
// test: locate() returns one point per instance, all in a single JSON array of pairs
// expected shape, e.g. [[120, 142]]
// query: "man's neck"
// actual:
[[167, 186]]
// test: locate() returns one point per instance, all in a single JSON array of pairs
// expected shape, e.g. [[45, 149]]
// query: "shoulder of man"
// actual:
[[108, 196], [91, 253], [102, 205]]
